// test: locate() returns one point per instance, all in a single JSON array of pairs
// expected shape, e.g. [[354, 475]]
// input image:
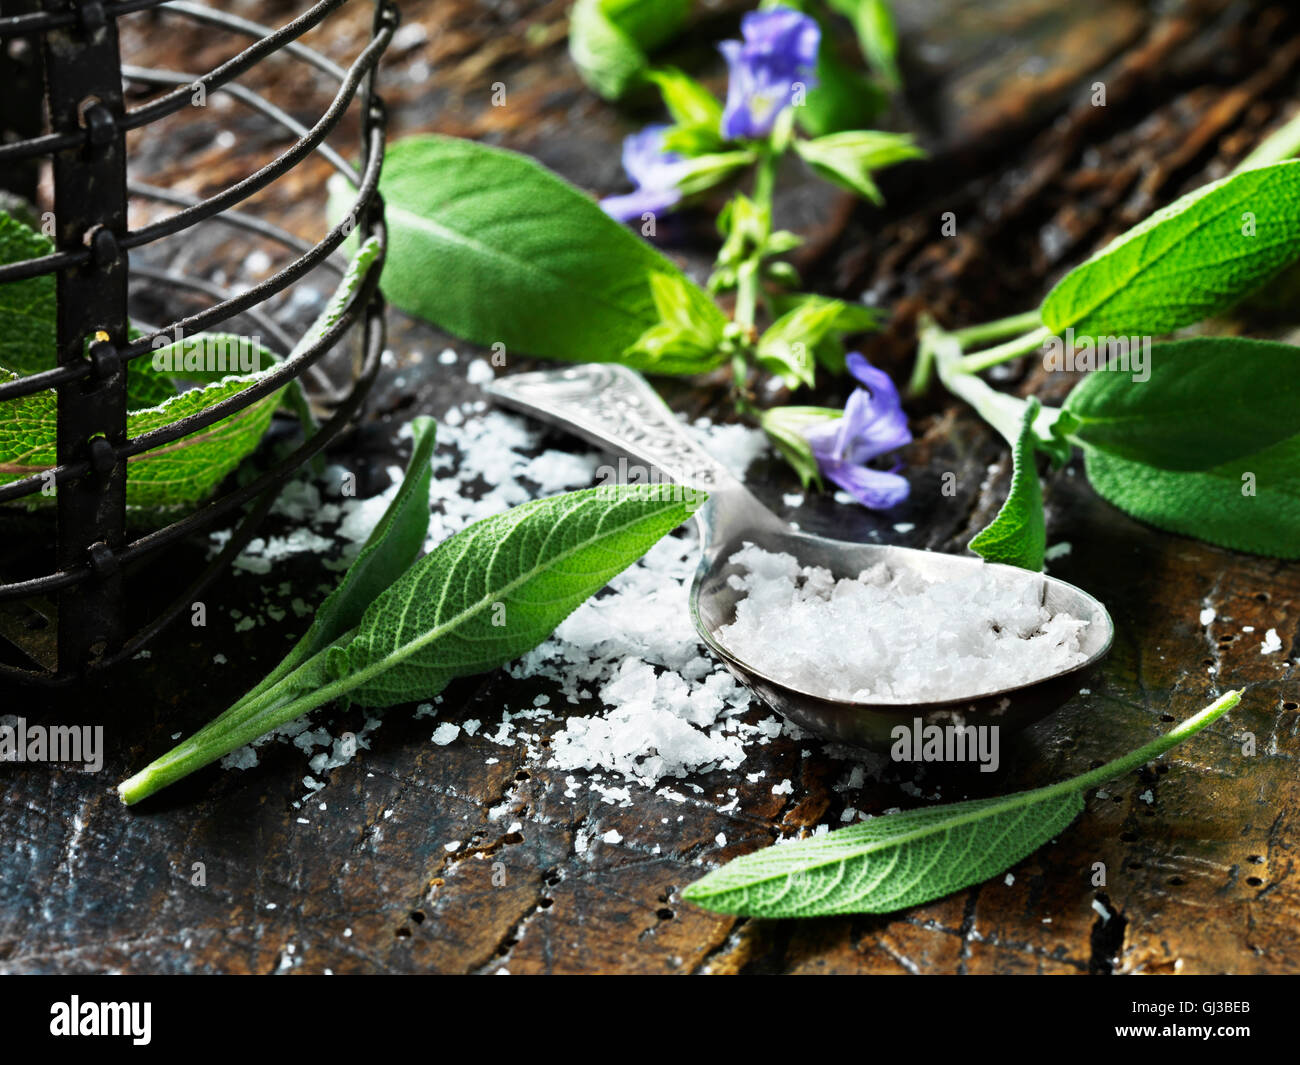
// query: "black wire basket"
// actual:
[[65, 110]]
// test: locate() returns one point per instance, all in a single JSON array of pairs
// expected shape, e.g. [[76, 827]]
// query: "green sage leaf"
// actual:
[[898, 860], [1204, 402], [609, 39], [784, 427], [688, 334], [28, 311], [489, 245], [1017, 536], [696, 112], [187, 470], [1195, 258], [849, 158], [479, 599], [392, 546], [787, 347], [499, 588], [1251, 503], [874, 23]]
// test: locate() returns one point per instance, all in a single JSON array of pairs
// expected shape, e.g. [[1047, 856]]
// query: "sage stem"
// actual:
[[1001, 353]]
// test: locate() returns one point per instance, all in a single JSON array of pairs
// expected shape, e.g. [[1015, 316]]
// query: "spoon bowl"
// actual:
[[615, 409]]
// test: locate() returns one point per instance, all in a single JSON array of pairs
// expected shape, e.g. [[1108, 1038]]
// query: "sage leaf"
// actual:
[[28, 312], [1017, 536], [1206, 401], [877, 34], [187, 470], [176, 474], [1250, 504], [609, 39], [479, 599], [499, 588], [898, 860], [787, 347], [785, 427], [1192, 259], [689, 333], [489, 245], [393, 544], [696, 112], [848, 158]]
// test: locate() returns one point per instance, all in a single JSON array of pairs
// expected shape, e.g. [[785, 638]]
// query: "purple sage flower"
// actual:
[[653, 171], [873, 425], [779, 51]]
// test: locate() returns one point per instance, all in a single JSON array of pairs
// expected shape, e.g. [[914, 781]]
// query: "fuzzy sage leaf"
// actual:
[[1018, 535], [898, 860], [609, 39], [393, 544], [1194, 258], [1207, 401], [1251, 503], [489, 245], [479, 599]]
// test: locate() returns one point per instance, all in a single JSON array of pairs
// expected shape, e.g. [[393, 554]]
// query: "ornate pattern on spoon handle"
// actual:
[[614, 407]]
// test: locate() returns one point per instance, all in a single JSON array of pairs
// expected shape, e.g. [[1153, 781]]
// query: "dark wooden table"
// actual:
[[1199, 852]]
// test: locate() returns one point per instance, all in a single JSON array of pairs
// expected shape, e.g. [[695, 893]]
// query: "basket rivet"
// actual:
[[91, 15], [106, 360], [100, 126], [103, 456], [104, 250], [102, 559]]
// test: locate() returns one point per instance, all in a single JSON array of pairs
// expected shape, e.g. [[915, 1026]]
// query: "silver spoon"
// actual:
[[614, 408]]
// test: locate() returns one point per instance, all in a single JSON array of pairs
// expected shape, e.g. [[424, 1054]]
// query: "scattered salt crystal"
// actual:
[[1147, 797], [242, 758], [792, 499], [720, 839], [454, 845], [445, 733], [1009, 880], [612, 836], [447, 356], [1272, 642], [1058, 551], [904, 527], [1105, 913], [1248, 628], [471, 726], [784, 788], [479, 372], [1207, 616]]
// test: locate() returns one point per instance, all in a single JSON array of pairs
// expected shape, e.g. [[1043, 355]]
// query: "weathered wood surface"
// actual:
[[1202, 877]]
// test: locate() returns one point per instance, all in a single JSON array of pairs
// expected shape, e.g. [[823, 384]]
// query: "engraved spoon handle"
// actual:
[[616, 409]]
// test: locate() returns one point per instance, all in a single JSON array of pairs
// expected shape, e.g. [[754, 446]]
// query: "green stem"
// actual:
[[256, 714], [997, 330], [1004, 412], [921, 371], [748, 272], [1148, 751], [1001, 353], [1281, 144]]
